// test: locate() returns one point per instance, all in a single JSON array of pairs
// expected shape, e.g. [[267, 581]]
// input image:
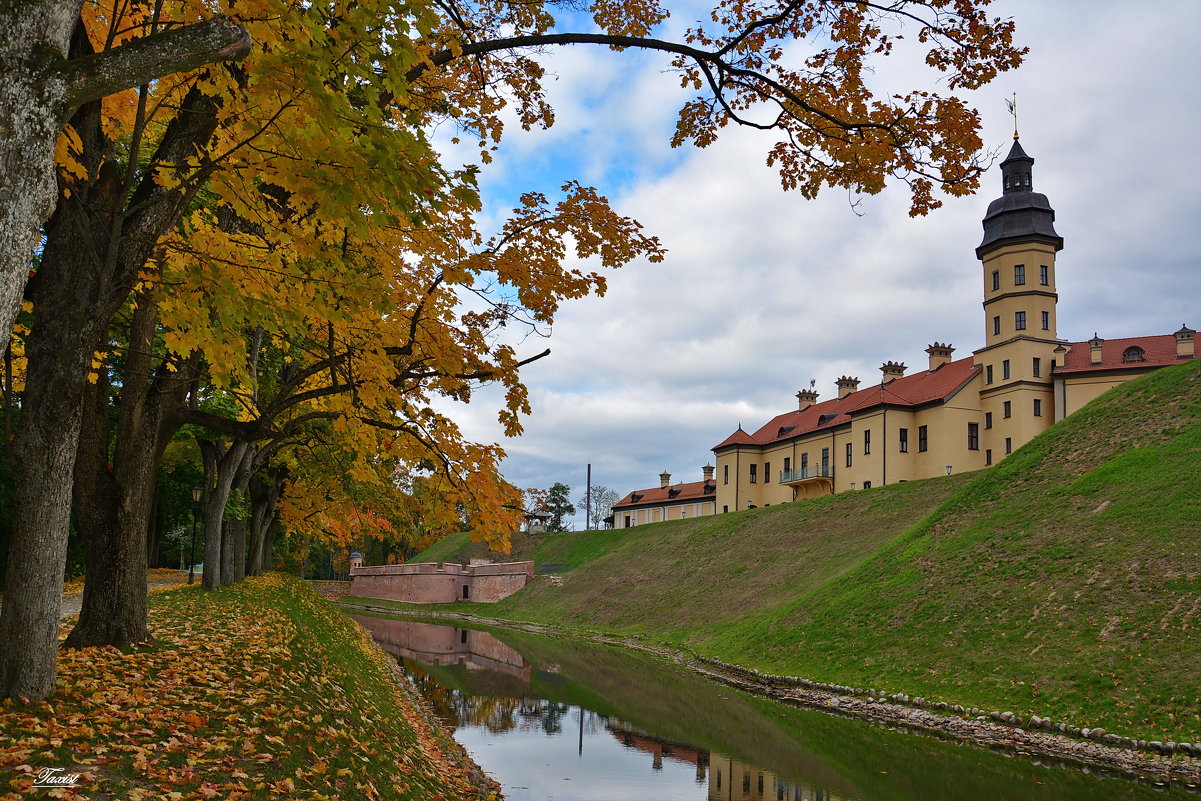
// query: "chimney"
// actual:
[[846, 385], [1061, 356], [1094, 353], [664, 480], [806, 398], [707, 470], [1185, 343], [939, 354], [892, 370]]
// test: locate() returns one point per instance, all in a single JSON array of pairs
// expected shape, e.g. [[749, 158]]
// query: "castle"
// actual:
[[953, 416]]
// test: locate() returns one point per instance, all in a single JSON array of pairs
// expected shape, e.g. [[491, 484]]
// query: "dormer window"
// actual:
[[1134, 354]]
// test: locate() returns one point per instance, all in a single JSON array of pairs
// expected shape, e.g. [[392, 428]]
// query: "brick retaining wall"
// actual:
[[432, 583]]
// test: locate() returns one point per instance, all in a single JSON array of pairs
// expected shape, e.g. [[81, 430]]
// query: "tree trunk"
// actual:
[[113, 610], [269, 542], [58, 350], [41, 90], [220, 469], [114, 501], [233, 543], [264, 492]]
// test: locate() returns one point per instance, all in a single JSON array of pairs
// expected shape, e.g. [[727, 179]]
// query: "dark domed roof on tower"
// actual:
[[1020, 214]]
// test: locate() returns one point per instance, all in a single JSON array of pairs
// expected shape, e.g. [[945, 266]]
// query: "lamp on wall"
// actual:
[[948, 470]]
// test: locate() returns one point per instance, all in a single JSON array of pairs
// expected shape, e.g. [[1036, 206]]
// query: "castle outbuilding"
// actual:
[[951, 416]]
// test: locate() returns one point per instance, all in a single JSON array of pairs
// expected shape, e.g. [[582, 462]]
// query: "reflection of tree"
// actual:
[[552, 716]]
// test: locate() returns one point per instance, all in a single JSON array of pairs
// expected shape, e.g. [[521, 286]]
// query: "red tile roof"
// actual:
[[927, 386], [1158, 351], [739, 437], [674, 493]]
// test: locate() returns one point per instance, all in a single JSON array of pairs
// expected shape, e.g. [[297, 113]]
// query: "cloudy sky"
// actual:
[[763, 290]]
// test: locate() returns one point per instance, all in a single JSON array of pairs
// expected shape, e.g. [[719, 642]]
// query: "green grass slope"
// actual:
[[1065, 581], [693, 578]]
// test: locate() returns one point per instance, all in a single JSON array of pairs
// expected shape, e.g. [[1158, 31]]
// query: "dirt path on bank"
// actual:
[[1042, 747], [157, 579]]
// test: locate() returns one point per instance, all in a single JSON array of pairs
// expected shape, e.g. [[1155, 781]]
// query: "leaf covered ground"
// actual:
[[261, 690]]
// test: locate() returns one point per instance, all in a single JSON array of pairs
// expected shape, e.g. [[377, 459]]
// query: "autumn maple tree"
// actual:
[[283, 230]]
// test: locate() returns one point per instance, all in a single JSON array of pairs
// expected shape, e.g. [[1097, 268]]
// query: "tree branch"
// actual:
[[150, 57]]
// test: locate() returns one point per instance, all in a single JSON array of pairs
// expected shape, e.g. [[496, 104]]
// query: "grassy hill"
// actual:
[[1065, 581]]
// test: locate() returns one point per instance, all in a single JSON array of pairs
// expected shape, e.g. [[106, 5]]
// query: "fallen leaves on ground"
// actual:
[[262, 690]]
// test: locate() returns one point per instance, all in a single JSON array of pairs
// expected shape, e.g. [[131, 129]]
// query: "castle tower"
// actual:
[[1018, 259]]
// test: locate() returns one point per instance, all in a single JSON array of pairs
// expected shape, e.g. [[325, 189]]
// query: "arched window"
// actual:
[[1134, 354]]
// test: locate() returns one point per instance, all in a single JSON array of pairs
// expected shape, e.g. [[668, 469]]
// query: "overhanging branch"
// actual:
[[150, 57]]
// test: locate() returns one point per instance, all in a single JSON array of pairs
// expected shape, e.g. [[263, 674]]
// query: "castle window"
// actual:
[[787, 464], [1038, 407], [804, 465], [973, 436], [1046, 321], [1038, 367], [767, 472], [1007, 410], [1005, 369], [996, 325], [988, 457], [1134, 354], [825, 461], [867, 442], [849, 449], [754, 474], [867, 485], [1019, 274], [1019, 320], [1009, 444], [988, 374], [996, 280], [725, 474], [988, 419], [904, 440], [1044, 275], [922, 441]]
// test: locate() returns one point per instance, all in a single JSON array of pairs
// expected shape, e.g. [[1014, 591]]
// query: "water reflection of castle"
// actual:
[[729, 779], [444, 645]]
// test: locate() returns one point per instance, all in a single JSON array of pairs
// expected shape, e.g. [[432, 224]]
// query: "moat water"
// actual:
[[553, 718]]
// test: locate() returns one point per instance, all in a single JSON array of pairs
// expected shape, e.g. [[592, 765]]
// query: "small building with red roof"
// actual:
[[952, 416], [668, 501]]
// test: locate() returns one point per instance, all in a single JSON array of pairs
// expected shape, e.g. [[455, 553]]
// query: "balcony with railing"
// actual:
[[809, 481]]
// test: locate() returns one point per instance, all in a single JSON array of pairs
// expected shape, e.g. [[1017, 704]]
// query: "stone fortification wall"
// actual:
[[432, 583]]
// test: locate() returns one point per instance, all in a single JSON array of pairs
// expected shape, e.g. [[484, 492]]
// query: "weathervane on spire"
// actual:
[[1013, 109]]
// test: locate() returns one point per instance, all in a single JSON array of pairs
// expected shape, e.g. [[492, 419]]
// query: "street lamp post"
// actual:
[[196, 493]]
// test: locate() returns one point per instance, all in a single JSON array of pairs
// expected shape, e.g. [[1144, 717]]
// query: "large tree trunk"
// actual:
[[114, 590], [41, 90], [113, 501], [64, 334]]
